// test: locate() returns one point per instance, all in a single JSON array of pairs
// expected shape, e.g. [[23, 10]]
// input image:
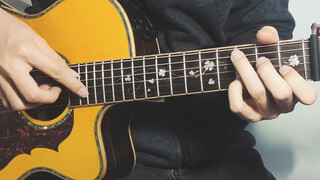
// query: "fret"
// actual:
[[218, 71], [157, 75], [150, 76], [138, 78], [108, 81], [270, 52], [164, 75], [209, 75], [185, 73], [279, 54], [200, 71], [192, 71], [94, 83], [256, 52], [304, 59], [86, 80], [79, 72], [98, 82], [112, 82], [144, 77], [133, 85], [177, 72], [292, 54], [73, 98], [103, 84], [122, 83], [227, 72], [128, 79], [170, 74]]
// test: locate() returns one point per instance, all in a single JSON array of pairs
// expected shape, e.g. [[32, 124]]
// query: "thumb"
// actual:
[[268, 35]]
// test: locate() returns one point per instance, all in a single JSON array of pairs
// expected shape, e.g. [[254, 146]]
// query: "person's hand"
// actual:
[[264, 93], [22, 50]]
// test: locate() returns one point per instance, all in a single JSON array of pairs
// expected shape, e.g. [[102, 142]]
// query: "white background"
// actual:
[[290, 145]]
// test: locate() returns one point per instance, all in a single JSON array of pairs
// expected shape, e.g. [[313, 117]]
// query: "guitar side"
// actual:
[[97, 144]]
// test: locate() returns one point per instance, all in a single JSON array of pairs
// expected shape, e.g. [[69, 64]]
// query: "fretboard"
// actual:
[[180, 73]]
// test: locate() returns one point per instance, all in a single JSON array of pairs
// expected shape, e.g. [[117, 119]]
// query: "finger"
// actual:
[[268, 35], [304, 92], [31, 92], [14, 99], [250, 79], [277, 86], [58, 72], [238, 105]]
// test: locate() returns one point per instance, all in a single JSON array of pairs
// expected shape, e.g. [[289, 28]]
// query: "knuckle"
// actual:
[[57, 73], [236, 109], [258, 94], [32, 97], [283, 96], [25, 49]]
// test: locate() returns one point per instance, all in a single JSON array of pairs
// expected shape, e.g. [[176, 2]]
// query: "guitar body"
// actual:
[[91, 142]]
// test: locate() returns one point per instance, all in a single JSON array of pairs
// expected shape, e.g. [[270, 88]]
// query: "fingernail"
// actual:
[[260, 61], [83, 92], [285, 70], [74, 73], [236, 54]]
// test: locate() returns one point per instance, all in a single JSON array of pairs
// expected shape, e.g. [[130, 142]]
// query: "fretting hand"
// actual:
[[264, 93]]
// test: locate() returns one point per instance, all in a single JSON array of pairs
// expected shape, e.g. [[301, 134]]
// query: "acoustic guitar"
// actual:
[[113, 47]]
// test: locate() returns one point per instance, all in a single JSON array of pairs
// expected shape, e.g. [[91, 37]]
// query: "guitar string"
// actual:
[[249, 56], [221, 66], [195, 52]]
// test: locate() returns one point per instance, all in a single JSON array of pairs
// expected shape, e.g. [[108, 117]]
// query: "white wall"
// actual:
[[290, 145]]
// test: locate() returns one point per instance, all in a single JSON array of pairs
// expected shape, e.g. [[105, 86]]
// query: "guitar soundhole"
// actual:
[[52, 111]]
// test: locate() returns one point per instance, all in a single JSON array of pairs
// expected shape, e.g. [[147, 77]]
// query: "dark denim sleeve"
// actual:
[[247, 17]]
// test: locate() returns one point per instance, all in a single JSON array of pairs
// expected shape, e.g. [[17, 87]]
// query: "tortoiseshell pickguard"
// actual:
[[17, 137]]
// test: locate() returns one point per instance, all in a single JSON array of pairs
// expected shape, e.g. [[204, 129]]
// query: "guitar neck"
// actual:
[[175, 74], [179, 73]]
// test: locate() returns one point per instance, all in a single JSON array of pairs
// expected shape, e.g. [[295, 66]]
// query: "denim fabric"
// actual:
[[245, 165]]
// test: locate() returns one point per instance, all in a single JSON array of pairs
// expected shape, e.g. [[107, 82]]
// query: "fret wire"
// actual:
[[218, 70], [112, 82], [79, 72], [304, 59], [230, 58], [170, 74], [144, 78], [122, 83], [210, 50], [226, 57], [94, 82], [182, 77], [256, 52], [86, 70], [179, 70], [279, 55], [133, 85], [157, 75], [185, 73], [103, 88], [200, 70], [226, 79]]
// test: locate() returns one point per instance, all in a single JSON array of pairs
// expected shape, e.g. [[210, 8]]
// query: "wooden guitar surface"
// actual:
[[82, 31]]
